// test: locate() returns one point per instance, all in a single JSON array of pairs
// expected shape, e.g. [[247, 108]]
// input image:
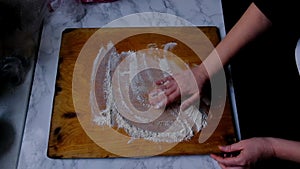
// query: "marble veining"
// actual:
[[33, 153]]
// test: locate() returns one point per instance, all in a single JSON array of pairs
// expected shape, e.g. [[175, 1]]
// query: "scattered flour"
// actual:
[[178, 126]]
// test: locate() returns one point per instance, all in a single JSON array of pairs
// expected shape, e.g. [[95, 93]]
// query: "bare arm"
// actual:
[[286, 149], [252, 23]]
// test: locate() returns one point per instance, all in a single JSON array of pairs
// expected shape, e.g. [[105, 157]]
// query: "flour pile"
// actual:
[[125, 87]]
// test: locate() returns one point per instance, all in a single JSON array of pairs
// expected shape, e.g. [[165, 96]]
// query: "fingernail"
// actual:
[[166, 82]]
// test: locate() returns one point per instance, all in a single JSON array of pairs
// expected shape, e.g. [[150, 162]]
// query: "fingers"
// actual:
[[173, 96], [171, 93], [215, 157], [222, 166], [233, 157], [228, 162], [231, 148], [166, 93], [163, 80], [170, 88], [157, 98], [231, 167]]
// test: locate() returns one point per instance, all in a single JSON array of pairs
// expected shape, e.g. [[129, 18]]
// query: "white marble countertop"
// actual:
[[33, 153]]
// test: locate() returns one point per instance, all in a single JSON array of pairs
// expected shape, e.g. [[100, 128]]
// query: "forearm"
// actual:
[[250, 25], [286, 149]]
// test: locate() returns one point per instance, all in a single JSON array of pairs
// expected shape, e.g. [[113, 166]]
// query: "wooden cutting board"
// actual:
[[68, 137]]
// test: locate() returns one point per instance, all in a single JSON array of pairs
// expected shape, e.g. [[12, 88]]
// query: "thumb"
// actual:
[[231, 148]]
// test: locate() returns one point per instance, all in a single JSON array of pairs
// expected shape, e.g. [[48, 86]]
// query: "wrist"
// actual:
[[200, 73], [269, 147]]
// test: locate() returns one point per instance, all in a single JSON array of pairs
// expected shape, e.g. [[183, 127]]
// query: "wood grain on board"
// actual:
[[68, 137]]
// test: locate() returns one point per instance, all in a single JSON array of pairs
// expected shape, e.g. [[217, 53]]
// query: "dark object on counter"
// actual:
[[19, 38], [13, 70]]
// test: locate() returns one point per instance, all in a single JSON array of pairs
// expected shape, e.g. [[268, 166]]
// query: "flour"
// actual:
[[163, 62], [133, 84], [169, 46]]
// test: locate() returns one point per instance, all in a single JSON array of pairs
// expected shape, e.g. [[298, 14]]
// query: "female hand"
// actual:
[[187, 85], [250, 151]]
